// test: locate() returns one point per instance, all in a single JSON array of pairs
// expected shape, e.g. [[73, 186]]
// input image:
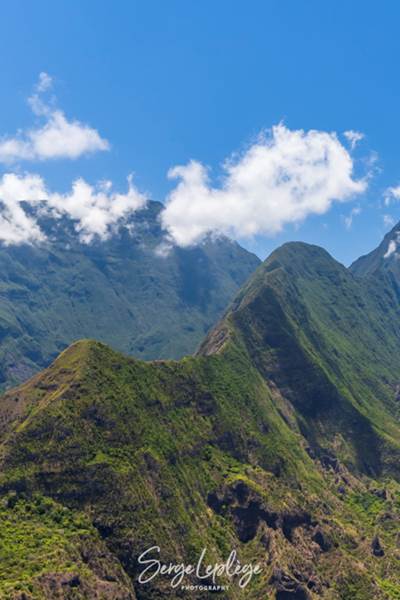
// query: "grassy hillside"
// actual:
[[120, 291], [329, 341], [280, 439]]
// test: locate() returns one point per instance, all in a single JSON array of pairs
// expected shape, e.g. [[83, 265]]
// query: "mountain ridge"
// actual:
[[383, 259], [280, 438], [121, 291]]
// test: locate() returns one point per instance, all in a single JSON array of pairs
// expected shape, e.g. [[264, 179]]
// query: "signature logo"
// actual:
[[231, 568]]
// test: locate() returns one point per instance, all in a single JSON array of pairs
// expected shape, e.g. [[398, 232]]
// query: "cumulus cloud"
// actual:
[[56, 137], [388, 220], [282, 178], [392, 194], [95, 210], [15, 225], [348, 221], [353, 137]]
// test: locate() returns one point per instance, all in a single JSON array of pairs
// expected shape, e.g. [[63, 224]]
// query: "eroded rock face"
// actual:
[[251, 516], [69, 586], [288, 587], [289, 521], [298, 594], [322, 539], [329, 461], [105, 578], [246, 510], [376, 547]]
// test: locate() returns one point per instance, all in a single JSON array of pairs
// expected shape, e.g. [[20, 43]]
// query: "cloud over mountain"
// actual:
[[282, 178], [96, 210]]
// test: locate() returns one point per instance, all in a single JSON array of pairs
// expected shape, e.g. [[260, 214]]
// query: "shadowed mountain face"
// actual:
[[280, 439], [120, 291], [329, 341]]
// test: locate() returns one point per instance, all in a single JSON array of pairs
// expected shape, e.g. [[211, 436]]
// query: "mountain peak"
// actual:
[[383, 259], [290, 262], [77, 352], [300, 254], [303, 318]]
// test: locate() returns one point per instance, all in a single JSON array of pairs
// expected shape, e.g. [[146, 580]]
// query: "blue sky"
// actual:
[[167, 82]]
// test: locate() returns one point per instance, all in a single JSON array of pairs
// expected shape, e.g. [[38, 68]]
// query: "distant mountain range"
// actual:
[[124, 291], [280, 439]]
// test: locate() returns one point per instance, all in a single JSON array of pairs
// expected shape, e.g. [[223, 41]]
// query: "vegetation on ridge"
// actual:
[[123, 291], [280, 439]]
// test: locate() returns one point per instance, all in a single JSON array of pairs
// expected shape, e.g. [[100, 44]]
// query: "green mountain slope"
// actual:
[[279, 439], [119, 291], [329, 342]]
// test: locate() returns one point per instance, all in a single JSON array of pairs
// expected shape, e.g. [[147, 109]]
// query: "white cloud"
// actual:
[[58, 137], [15, 225], [45, 82], [353, 137], [388, 221], [348, 221], [95, 210], [282, 178], [391, 194], [392, 247]]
